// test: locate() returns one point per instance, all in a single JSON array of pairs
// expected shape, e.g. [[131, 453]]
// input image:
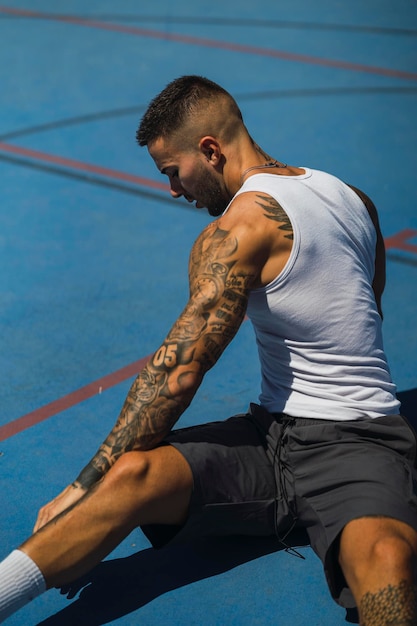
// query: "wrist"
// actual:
[[77, 485], [87, 478]]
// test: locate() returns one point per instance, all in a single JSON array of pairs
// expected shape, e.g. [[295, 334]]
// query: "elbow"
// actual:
[[187, 384], [183, 387]]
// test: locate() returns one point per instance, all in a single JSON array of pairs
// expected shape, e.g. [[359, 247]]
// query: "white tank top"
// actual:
[[317, 326]]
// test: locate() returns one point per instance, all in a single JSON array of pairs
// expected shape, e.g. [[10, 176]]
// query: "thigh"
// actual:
[[228, 460], [168, 485], [234, 489]]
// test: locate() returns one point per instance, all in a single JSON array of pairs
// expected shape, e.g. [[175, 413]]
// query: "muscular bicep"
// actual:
[[219, 288], [378, 283]]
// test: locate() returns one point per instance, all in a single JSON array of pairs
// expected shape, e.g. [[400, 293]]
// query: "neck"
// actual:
[[267, 165]]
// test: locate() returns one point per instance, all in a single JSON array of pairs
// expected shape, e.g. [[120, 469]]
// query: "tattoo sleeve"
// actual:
[[166, 386]]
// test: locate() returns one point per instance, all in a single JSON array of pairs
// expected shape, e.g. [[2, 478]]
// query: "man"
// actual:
[[302, 254]]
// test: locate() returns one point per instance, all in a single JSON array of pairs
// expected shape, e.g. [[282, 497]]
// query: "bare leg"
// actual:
[[378, 556], [141, 488]]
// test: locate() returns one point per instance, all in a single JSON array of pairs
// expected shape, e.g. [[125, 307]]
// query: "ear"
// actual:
[[210, 148]]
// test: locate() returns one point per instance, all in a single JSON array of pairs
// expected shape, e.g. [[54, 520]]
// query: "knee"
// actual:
[[390, 554], [131, 467]]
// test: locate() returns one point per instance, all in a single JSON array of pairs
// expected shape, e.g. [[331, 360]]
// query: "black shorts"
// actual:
[[259, 474]]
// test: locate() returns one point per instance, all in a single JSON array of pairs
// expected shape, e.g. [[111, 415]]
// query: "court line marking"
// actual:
[[211, 43], [71, 399], [400, 241], [81, 165]]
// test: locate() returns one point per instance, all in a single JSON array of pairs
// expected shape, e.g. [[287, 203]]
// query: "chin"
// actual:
[[215, 211]]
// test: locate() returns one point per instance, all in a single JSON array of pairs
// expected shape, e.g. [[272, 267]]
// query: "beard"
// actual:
[[210, 193]]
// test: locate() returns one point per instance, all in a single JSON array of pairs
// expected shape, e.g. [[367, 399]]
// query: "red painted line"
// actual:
[[71, 399], [80, 165], [400, 241], [212, 43]]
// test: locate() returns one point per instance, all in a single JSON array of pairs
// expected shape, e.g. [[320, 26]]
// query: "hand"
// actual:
[[63, 501]]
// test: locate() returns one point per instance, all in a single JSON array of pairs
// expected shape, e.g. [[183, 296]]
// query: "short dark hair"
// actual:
[[171, 108]]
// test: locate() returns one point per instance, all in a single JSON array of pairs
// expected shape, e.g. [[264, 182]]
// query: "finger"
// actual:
[[37, 524], [42, 519]]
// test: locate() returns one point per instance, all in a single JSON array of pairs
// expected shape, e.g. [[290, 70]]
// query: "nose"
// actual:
[[176, 190]]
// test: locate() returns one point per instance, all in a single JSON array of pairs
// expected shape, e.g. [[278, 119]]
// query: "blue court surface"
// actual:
[[94, 254]]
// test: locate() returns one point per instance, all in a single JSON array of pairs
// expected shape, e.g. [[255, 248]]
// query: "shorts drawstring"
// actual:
[[281, 492]]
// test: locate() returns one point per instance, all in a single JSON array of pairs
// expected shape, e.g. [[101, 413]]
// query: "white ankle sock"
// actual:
[[20, 582]]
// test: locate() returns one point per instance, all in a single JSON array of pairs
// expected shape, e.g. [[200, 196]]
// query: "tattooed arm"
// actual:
[[166, 386], [230, 257], [226, 261]]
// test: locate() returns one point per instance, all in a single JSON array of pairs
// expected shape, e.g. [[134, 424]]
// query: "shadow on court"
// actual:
[[120, 586], [409, 405]]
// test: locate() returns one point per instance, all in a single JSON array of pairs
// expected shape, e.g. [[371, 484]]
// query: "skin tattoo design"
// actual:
[[395, 605], [213, 314], [274, 211]]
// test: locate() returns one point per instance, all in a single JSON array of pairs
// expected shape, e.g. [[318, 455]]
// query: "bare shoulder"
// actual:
[[263, 231], [214, 236], [217, 261], [259, 212]]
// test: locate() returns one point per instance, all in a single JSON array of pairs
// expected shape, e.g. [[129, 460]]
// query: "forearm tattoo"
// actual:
[[162, 390], [274, 211], [395, 605]]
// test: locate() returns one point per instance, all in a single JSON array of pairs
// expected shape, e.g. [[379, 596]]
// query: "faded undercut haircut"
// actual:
[[182, 100]]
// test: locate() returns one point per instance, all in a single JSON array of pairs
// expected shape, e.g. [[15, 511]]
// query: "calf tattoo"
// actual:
[[394, 605]]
